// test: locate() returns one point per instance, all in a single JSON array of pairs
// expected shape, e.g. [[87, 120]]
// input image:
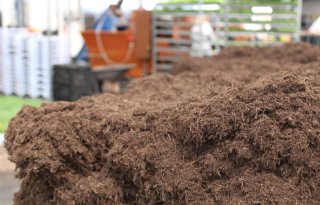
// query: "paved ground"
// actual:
[[1, 138], [8, 184]]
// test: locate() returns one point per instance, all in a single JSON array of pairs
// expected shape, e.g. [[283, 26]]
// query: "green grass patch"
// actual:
[[10, 106]]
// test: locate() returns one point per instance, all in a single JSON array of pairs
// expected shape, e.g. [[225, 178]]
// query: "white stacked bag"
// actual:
[[26, 61]]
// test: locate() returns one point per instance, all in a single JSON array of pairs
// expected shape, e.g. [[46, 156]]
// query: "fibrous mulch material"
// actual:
[[255, 144], [247, 64], [215, 134], [293, 52]]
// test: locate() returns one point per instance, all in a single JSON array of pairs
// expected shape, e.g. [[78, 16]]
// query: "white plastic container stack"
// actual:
[[58, 54], [32, 63], [1, 60], [44, 68], [19, 68], [39, 69], [44, 53], [26, 62], [5, 62], [59, 50]]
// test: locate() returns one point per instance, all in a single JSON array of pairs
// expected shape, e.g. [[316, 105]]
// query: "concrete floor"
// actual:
[[8, 184], [1, 138]]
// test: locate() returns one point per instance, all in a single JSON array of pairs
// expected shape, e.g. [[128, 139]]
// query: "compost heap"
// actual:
[[218, 136]]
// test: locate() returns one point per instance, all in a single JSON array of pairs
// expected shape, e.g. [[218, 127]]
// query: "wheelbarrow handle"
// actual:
[[119, 3]]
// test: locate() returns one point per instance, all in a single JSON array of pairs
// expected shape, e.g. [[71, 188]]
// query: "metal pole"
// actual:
[[226, 20], [1, 14], [68, 18], [49, 17], [58, 15], [81, 16], [299, 16], [18, 7], [154, 44], [217, 31], [200, 3]]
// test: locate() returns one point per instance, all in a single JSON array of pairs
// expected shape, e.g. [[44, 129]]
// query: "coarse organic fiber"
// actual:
[[235, 129]]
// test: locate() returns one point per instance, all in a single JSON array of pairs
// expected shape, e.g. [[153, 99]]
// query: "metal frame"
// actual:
[[222, 23], [178, 46], [286, 14]]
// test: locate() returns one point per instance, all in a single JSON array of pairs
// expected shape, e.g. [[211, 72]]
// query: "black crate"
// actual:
[[72, 74], [68, 93], [73, 81]]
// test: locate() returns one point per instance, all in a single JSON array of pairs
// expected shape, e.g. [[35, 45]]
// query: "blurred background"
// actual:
[[35, 36], [62, 50]]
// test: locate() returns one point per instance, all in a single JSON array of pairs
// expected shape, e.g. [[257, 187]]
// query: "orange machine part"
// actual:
[[143, 34], [115, 45]]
